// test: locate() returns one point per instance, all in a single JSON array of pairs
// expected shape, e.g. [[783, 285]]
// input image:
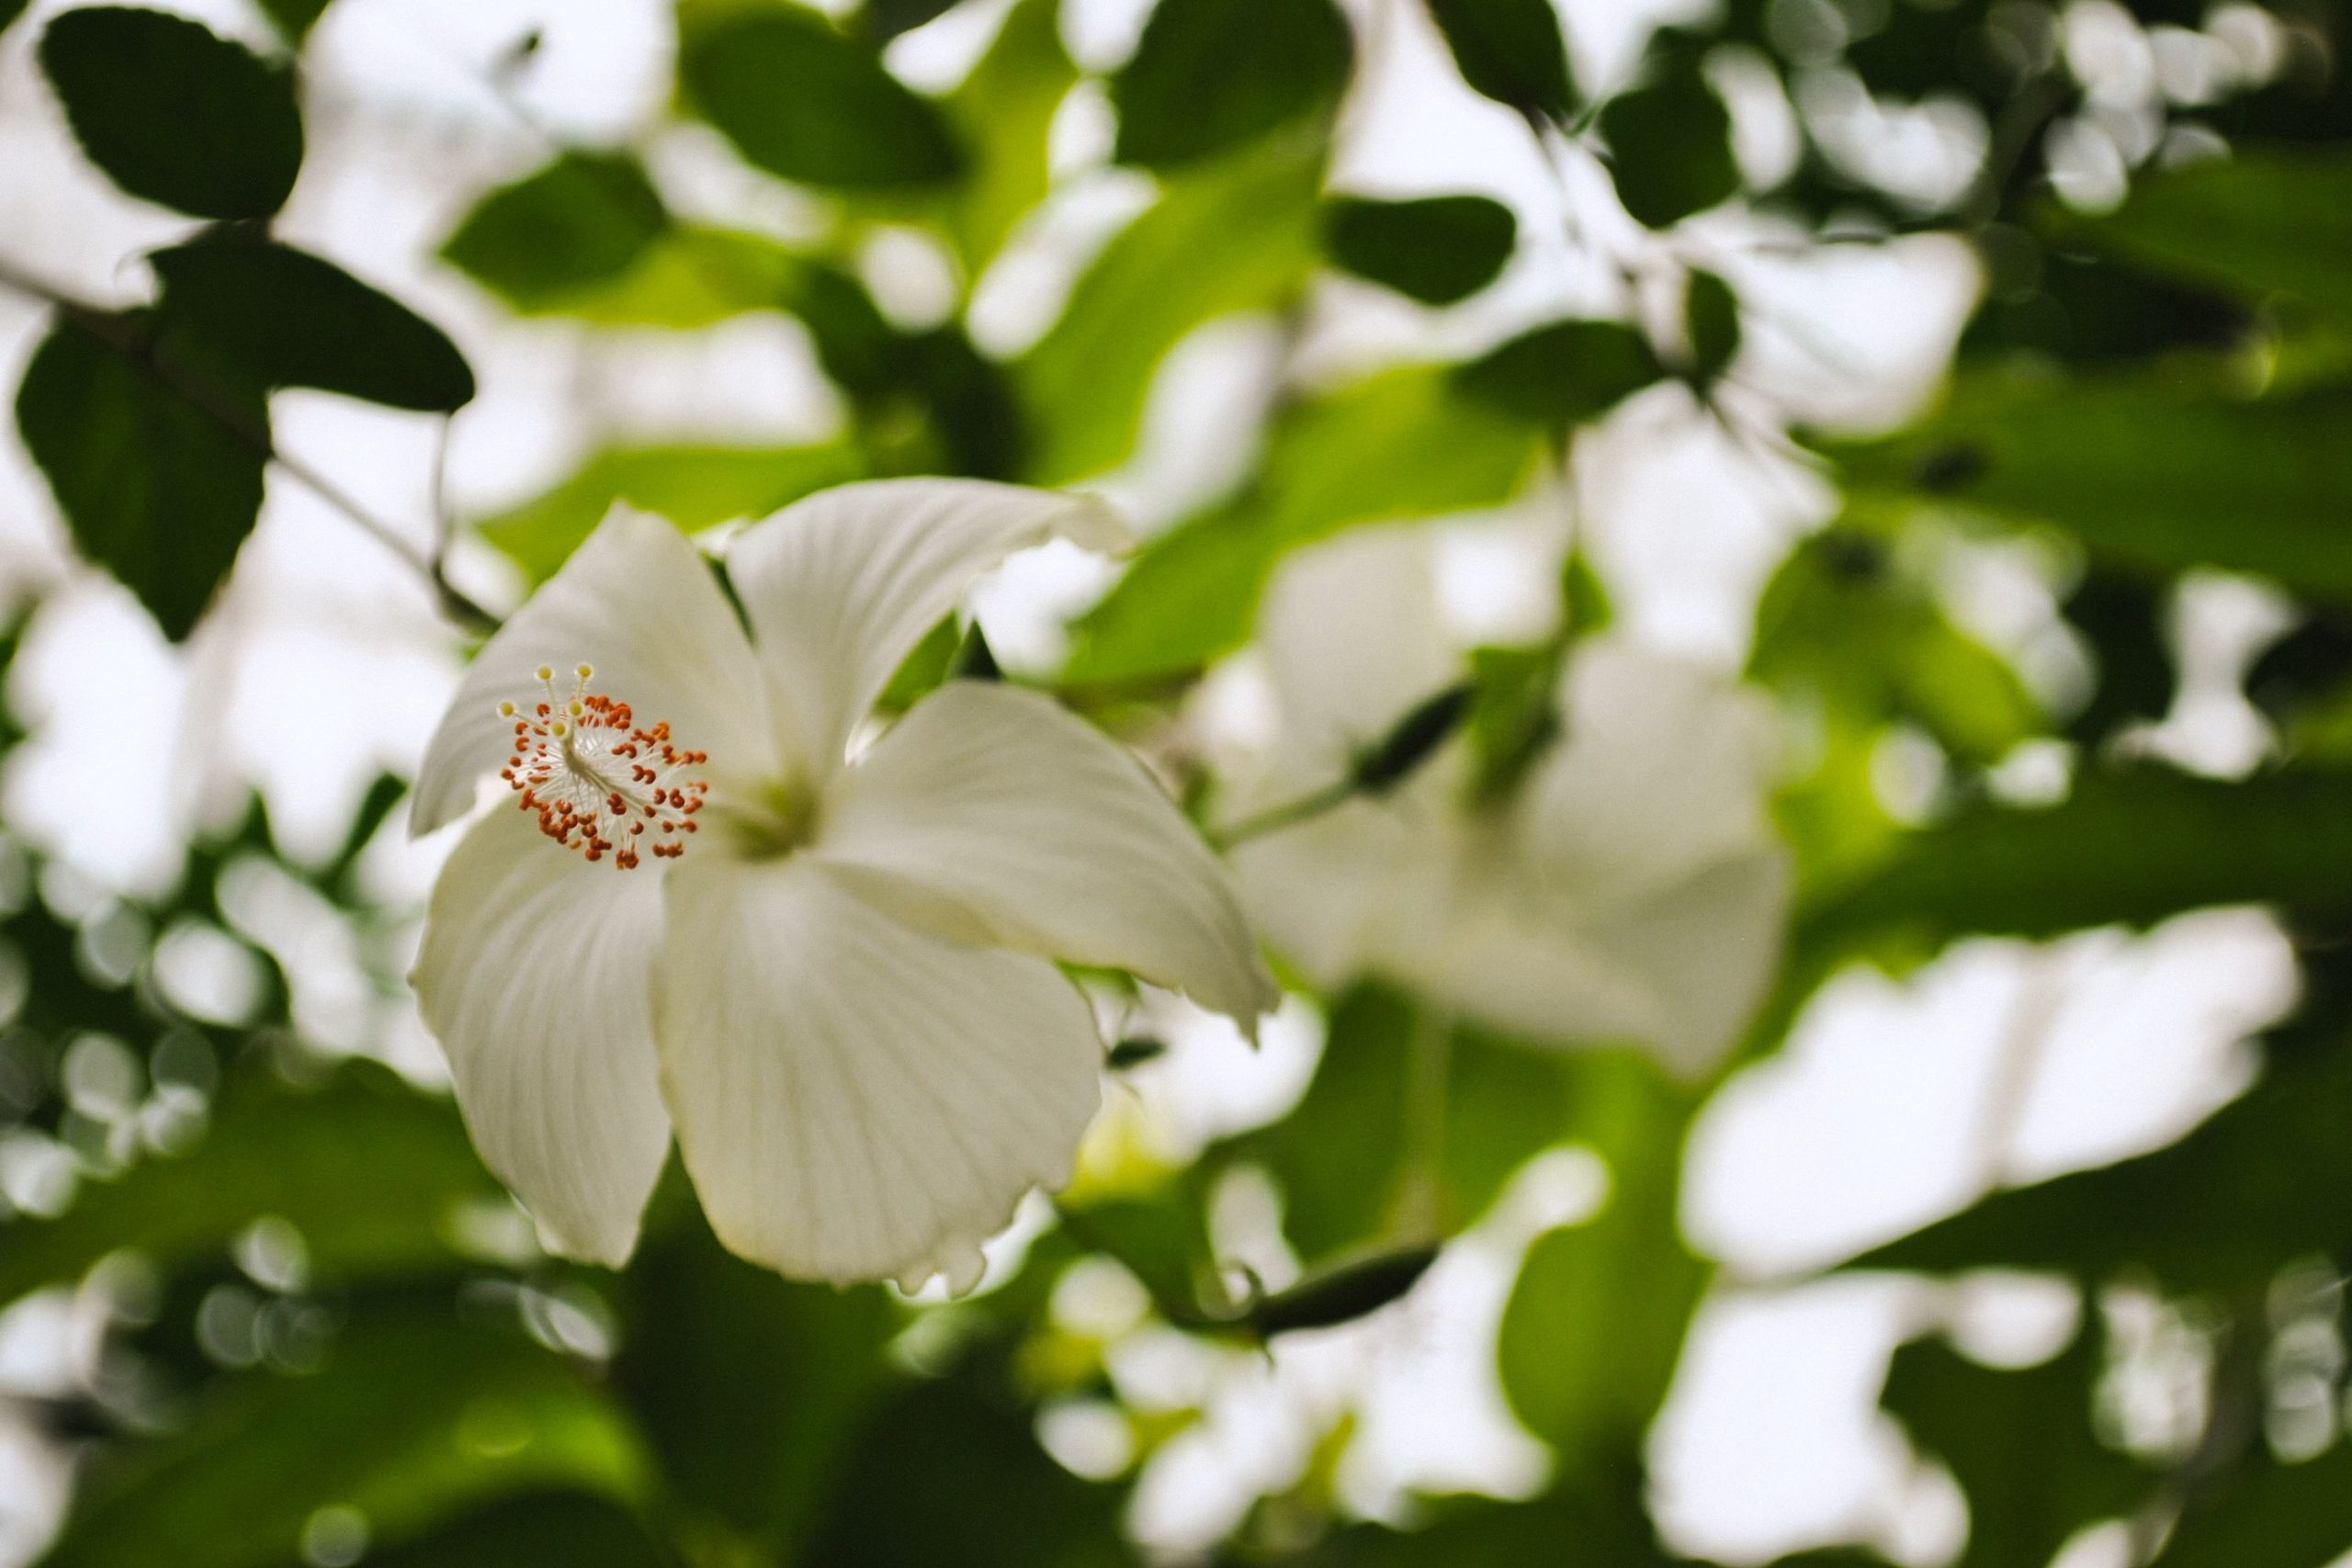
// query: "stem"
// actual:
[[1287, 814], [253, 434], [1427, 1070]]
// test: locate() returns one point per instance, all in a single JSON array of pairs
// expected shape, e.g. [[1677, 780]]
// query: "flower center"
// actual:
[[599, 782]]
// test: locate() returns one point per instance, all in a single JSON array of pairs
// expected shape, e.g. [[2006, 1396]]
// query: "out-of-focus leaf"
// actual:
[[1598, 1518], [2269, 1515], [2087, 309], [1710, 322], [1841, 625], [744, 1383], [1670, 148], [1162, 1239], [173, 113], [368, 1170], [1343, 1293], [294, 18], [2019, 1443], [1234, 235], [949, 1474], [1511, 51], [2123, 617], [885, 19], [1005, 110], [582, 218], [10, 10], [1595, 1325], [2265, 221], [268, 316], [1403, 443], [2132, 848], [575, 1528], [1341, 1157], [1563, 372], [2154, 474], [803, 102], [155, 489], [694, 487], [1209, 75], [414, 1416], [1437, 249]]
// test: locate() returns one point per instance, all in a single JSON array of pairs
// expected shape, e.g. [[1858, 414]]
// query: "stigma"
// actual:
[[598, 780]]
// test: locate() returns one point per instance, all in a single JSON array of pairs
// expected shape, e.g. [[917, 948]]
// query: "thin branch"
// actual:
[[240, 426], [1286, 814]]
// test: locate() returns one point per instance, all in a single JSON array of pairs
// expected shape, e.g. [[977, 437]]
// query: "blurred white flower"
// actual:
[[1630, 889], [832, 976]]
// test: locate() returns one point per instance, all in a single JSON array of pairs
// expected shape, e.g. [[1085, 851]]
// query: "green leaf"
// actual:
[[2269, 1515], [1231, 236], [1209, 75], [885, 19], [1438, 250], [2020, 1445], [414, 1416], [1563, 372], [1595, 1325], [694, 487], [1670, 147], [746, 1384], [2252, 1189], [294, 18], [1343, 1293], [2130, 848], [2153, 473], [1005, 110], [158, 492], [581, 219], [268, 316], [10, 10], [174, 114], [2263, 222], [807, 104], [1401, 444], [1511, 51], [1710, 322], [370, 1172], [577, 1530]]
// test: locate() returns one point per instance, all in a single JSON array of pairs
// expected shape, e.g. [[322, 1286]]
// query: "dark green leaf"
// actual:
[[1134, 1052], [2133, 848], [2122, 618], [10, 10], [173, 113], [2152, 473], [1595, 1325], [1564, 373], [263, 315], [1212, 74], [1511, 51], [1425, 725], [2262, 221], [1670, 147], [1162, 1239], [746, 1384], [885, 19], [583, 220], [294, 18], [2020, 1445], [370, 1172], [1343, 1293], [414, 1416], [156, 491], [576, 1530], [694, 487], [1231, 236], [804, 102], [1438, 249], [2269, 1515], [1710, 322]]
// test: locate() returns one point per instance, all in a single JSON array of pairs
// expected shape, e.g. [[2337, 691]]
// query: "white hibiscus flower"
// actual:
[[831, 977], [1630, 890]]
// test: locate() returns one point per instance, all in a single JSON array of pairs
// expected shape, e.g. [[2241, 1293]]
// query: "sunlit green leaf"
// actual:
[[1669, 145], [804, 102], [155, 489], [1211, 74], [694, 487], [581, 219], [1231, 236], [1511, 51], [270, 316], [1437, 249], [175, 114], [414, 1415], [372, 1174], [1403, 443], [1005, 109]]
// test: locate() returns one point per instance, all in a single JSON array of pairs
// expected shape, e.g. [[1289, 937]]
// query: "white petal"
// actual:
[[856, 1099], [638, 604], [536, 976], [1663, 771], [1353, 638], [1707, 949], [840, 587], [990, 814], [1350, 890]]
